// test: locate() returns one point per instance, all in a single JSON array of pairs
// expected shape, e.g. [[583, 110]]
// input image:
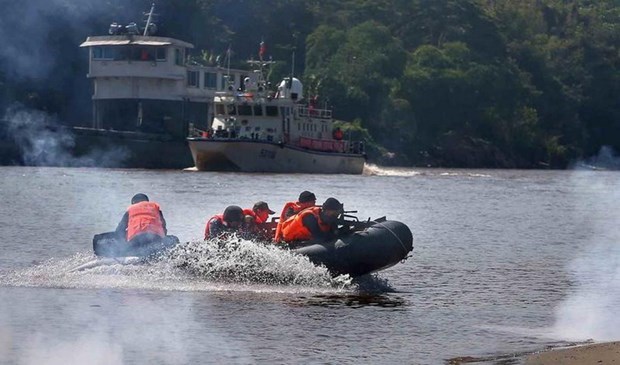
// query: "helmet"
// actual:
[[332, 204], [139, 198], [306, 196], [233, 213]]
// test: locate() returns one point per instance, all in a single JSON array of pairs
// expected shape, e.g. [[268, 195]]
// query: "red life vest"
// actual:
[[293, 228], [218, 217], [257, 218], [144, 217]]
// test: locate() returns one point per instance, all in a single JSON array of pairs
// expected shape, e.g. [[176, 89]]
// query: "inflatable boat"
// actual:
[[361, 248], [110, 244], [112, 249], [367, 248]]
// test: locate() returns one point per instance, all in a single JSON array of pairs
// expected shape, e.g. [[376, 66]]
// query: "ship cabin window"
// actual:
[[258, 110], [210, 81], [192, 78], [104, 53], [143, 54], [161, 54], [231, 109], [271, 111], [244, 109], [178, 57], [219, 109]]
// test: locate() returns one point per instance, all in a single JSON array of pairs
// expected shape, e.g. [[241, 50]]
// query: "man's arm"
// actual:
[[121, 229], [163, 222]]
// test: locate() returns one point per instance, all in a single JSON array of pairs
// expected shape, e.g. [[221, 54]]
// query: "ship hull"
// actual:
[[53, 145], [130, 150], [263, 156]]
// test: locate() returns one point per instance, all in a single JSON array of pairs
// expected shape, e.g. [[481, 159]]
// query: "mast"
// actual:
[[148, 20]]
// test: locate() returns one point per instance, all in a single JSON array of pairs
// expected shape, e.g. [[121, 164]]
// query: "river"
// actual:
[[505, 262]]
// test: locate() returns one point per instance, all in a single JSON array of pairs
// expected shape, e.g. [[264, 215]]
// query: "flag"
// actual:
[[262, 50]]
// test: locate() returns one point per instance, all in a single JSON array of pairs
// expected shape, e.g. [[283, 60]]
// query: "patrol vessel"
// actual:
[[255, 129]]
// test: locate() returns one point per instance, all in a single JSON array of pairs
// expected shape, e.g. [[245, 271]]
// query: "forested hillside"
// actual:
[[455, 83]]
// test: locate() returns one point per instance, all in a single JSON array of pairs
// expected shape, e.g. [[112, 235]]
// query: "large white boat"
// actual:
[[255, 129], [146, 94]]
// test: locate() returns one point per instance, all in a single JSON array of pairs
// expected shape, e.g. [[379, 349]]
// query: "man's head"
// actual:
[[261, 209], [307, 197], [233, 215], [331, 210], [139, 198]]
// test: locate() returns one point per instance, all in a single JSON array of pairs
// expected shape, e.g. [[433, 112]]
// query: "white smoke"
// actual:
[[590, 309], [43, 142], [31, 30]]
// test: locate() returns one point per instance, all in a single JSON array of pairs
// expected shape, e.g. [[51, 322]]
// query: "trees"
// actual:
[[511, 83]]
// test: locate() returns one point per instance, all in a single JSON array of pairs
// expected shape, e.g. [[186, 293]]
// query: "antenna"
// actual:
[[148, 20]]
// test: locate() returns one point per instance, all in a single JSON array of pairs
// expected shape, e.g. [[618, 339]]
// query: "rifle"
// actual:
[[350, 223]]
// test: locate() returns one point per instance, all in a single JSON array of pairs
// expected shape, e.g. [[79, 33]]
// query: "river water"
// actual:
[[505, 262]]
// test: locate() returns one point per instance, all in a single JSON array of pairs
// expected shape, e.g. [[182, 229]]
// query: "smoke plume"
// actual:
[[589, 310]]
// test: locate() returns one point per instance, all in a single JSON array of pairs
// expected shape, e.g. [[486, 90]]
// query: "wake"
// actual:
[[233, 265]]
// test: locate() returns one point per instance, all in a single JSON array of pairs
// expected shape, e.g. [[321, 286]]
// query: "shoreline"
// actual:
[[598, 353]]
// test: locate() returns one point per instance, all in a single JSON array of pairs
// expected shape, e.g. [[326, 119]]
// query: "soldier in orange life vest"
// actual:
[[315, 223], [221, 225], [306, 200], [143, 223]]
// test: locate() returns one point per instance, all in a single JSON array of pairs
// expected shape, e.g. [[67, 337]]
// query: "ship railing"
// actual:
[[323, 145], [309, 111], [196, 132]]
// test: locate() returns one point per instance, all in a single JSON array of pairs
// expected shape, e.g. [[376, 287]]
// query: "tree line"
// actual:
[[455, 83]]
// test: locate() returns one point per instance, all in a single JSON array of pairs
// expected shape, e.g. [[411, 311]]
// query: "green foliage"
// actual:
[[526, 83]]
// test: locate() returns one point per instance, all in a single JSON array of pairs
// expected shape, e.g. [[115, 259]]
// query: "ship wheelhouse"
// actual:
[[144, 84]]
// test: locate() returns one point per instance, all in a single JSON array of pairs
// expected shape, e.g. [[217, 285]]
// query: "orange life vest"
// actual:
[[293, 228], [144, 217], [296, 207]]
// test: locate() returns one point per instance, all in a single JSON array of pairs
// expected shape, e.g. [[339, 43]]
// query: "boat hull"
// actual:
[[264, 156], [104, 148], [109, 244], [88, 147], [378, 247]]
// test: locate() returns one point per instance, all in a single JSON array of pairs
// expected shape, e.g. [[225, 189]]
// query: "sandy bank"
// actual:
[[597, 354]]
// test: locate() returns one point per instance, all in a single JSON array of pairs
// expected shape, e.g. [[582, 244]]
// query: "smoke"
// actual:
[[35, 32], [41, 62], [41, 141], [605, 160], [590, 309]]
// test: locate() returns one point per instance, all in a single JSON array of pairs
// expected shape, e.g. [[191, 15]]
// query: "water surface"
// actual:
[[505, 262]]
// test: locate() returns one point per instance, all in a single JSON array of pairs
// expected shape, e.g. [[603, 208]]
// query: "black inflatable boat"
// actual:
[[378, 245], [110, 244]]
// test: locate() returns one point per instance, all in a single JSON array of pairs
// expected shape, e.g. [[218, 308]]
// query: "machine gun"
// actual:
[[350, 223]]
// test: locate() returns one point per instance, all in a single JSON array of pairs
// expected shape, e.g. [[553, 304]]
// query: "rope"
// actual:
[[395, 235]]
